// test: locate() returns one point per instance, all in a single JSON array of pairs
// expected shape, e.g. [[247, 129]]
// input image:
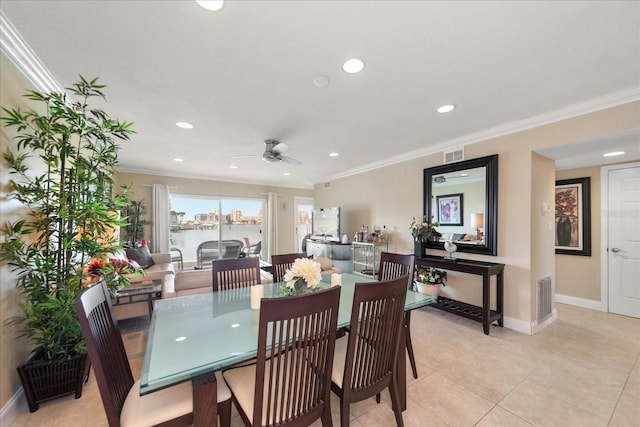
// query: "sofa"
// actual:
[[199, 281], [160, 269]]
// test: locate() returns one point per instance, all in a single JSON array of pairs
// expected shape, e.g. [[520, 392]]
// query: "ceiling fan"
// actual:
[[273, 153], [441, 178]]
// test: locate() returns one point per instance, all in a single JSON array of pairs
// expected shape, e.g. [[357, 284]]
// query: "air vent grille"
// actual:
[[453, 156]]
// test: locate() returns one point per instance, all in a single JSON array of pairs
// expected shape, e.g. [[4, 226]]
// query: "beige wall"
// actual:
[[392, 195], [141, 186], [13, 351], [579, 276]]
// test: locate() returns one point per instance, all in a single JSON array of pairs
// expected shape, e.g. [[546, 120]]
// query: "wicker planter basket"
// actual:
[[47, 380]]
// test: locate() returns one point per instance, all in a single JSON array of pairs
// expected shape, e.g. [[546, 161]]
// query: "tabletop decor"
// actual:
[[429, 280], [422, 232], [303, 276], [113, 271]]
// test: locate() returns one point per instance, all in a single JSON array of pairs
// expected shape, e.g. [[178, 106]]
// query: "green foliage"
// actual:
[[71, 210], [133, 232]]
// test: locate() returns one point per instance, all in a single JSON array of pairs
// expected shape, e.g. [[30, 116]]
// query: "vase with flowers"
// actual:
[[303, 277], [423, 232], [430, 280], [113, 271]]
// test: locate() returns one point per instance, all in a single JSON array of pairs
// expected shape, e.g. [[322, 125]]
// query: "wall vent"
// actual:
[[327, 184], [453, 156], [545, 298]]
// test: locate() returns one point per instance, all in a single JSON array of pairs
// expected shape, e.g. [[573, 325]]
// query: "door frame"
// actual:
[[604, 230], [299, 200]]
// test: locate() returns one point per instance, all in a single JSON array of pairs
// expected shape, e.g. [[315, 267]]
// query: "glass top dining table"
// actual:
[[200, 334]]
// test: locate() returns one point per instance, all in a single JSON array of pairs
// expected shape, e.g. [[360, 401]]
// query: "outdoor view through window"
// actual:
[[215, 225]]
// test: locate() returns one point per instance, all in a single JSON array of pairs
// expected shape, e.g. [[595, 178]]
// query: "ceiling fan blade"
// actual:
[[280, 147], [290, 160], [248, 156]]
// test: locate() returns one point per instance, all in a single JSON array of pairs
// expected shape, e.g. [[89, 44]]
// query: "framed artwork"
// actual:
[[450, 210], [573, 216]]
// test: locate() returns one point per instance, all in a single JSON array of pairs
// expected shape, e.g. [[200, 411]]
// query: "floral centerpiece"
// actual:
[[303, 276], [422, 231], [114, 271]]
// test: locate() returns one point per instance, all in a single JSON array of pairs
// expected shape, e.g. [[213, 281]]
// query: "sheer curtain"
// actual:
[[272, 225], [160, 237]]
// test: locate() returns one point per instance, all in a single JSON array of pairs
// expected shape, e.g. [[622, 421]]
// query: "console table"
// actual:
[[482, 314]]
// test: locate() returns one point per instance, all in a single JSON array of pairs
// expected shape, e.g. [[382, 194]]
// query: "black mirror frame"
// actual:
[[491, 201]]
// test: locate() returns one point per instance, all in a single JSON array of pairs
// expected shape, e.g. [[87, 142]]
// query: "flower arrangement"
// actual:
[[303, 276], [114, 271], [431, 276], [422, 231]]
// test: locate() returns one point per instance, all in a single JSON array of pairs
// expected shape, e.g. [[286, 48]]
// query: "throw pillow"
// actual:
[[140, 255]]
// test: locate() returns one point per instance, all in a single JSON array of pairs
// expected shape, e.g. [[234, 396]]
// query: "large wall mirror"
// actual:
[[463, 198]]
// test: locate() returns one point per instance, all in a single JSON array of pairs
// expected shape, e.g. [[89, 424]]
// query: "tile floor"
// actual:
[[583, 370]]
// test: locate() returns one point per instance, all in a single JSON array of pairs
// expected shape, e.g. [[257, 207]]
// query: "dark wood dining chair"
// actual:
[[290, 383], [281, 263], [235, 273], [120, 394], [393, 266], [365, 361]]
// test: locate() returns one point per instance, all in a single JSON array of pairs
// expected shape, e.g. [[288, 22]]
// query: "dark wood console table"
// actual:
[[482, 314]]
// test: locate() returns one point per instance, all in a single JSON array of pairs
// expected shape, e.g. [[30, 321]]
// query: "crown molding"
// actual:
[[19, 52], [574, 110]]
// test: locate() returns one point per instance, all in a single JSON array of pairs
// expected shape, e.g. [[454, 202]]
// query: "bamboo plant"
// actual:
[[72, 210]]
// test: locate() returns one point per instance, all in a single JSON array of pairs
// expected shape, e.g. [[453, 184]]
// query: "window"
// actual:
[[199, 219]]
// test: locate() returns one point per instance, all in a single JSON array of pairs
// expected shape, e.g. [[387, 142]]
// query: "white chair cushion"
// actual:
[[163, 405], [339, 358]]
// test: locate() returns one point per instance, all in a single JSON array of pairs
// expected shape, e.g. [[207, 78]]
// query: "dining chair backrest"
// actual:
[[281, 263], [106, 349], [296, 341], [393, 266], [374, 339], [235, 273]]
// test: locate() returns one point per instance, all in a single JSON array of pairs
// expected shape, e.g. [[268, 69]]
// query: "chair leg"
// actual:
[[409, 345], [395, 402], [326, 416], [224, 410], [344, 412]]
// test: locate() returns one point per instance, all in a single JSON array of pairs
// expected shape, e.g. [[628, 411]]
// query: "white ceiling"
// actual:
[[245, 74]]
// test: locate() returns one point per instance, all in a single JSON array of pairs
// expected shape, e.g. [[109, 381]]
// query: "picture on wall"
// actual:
[[450, 210], [573, 216]]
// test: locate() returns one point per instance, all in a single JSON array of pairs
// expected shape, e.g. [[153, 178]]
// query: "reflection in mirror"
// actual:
[[462, 198]]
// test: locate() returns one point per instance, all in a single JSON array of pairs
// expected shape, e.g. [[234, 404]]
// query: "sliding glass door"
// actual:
[[207, 228]]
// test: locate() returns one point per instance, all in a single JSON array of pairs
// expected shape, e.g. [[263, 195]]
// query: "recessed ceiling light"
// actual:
[[287, 173], [184, 125], [446, 108], [321, 81], [214, 5], [178, 160], [334, 154], [613, 154], [233, 166], [353, 66]]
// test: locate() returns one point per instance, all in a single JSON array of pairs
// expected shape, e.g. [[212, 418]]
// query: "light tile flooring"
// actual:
[[582, 370]]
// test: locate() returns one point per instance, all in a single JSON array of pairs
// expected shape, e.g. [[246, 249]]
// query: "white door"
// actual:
[[303, 221], [623, 240]]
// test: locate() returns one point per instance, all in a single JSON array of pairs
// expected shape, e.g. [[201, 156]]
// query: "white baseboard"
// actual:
[[535, 327], [580, 302], [15, 406], [518, 325]]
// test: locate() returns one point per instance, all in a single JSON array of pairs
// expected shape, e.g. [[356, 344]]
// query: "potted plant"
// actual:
[[72, 217], [422, 232], [428, 281]]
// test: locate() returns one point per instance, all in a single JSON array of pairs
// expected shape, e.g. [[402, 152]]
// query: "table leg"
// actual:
[[486, 303], [500, 298], [205, 400], [401, 374]]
